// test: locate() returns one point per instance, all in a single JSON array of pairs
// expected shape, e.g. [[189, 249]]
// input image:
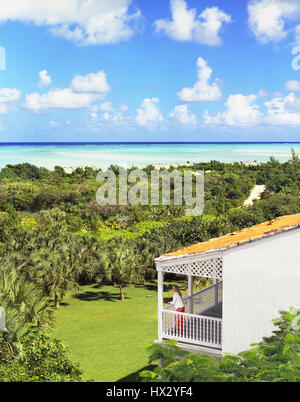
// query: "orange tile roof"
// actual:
[[241, 236]]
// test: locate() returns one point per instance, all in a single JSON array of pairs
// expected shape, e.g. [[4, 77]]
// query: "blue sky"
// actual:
[[159, 70]]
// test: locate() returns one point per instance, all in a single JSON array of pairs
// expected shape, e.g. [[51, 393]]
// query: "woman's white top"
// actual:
[[177, 301]]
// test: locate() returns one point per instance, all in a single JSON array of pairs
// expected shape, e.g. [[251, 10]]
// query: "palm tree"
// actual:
[[92, 259], [121, 267], [26, 308], [295, 159], [56, 272], [57, 260], [146, 253]]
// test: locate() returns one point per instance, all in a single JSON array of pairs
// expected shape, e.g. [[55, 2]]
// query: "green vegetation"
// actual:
[[27, 352], [274, 359], [56, 241], [40, 359]]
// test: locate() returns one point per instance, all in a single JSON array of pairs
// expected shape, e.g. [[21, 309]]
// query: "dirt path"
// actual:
[[255, 194]]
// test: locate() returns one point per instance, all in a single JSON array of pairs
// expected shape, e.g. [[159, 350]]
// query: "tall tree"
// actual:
[[121, 266], [56, 271], [26, 308]]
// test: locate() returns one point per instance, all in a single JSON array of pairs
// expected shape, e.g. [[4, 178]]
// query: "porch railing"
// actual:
[[192, 328]]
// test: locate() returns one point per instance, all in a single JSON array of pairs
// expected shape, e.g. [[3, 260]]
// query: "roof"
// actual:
[[242, 236]]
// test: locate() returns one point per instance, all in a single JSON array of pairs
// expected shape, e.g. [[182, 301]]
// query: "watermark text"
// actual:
[[156, 188]]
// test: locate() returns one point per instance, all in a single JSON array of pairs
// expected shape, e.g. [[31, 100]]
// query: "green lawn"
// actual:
[[106, 336]]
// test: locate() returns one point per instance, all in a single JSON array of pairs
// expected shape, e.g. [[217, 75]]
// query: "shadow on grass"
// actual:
[[94, 296], [98, 285], [134, 377], [150, 286], [153, 286]]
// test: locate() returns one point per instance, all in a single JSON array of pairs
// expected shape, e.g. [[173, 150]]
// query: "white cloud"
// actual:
[[184, 116], [124, 108], [148, 115], [185, 25], [293, 85], [94, 116], [91, 83], [116, 118], [82, 21], [105, 112], [83, 91], [297, 34], [262, 93], [3, 108], [240, 111], [45, 79], [104, 107], [8, 96], [268, 18], [107, 107], [58, 99], [53, 124], [202, 90], [284, 111], [108, 119]]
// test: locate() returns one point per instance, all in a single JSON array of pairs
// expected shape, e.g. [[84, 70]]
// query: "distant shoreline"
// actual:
[[165, 166]]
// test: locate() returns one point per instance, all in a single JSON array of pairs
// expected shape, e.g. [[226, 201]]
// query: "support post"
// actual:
[[160, 301], [216, 291], [190, 294]]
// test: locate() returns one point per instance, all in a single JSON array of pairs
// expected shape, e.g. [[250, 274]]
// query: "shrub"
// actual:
[[43, 359], [275, 358]]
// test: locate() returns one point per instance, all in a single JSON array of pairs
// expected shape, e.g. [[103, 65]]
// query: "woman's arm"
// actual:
[[173, 300]]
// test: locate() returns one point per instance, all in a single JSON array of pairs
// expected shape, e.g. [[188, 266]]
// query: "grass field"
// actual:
[[106, 336]]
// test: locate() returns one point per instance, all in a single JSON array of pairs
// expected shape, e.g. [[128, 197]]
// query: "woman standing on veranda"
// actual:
[[177, 302]]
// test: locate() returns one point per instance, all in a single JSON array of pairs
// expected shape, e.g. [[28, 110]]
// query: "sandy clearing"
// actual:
[[255, 194]]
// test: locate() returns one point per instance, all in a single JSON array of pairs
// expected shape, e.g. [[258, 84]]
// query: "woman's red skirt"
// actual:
[[179, 320]]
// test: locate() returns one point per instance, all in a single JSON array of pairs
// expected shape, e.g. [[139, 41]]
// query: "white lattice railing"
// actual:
[[202, 300], [192, 328]]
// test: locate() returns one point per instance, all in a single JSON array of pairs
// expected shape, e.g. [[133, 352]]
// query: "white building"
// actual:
[[256, 274]]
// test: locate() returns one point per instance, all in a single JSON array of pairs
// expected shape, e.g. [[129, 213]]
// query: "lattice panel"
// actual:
[[205, 268]]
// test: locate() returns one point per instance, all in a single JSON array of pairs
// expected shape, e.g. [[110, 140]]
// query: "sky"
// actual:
[[140, 70]]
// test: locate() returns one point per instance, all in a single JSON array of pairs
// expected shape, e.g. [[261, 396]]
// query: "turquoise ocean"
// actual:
[[139, 154]]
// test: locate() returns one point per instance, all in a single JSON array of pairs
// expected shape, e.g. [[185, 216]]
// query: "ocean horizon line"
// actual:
[[63, 143]]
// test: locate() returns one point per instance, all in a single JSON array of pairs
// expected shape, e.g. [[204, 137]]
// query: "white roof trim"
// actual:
[[186, 258]]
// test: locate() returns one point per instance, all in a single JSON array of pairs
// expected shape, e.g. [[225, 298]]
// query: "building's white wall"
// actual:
[[259, 279]]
